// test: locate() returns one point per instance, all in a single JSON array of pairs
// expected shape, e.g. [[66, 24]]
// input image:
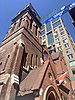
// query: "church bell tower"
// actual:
[[20, 51]]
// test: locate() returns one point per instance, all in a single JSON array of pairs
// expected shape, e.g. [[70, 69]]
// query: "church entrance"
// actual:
[[50, 94]]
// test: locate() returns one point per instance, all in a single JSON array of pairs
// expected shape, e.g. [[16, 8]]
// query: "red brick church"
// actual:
[[27, 70]]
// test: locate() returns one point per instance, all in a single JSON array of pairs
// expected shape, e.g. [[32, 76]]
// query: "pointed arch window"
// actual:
[[20, 22], [27, 24], [31, 22], [36, 30]]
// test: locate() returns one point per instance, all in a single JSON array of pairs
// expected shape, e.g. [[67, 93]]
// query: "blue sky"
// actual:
[[9, 8]]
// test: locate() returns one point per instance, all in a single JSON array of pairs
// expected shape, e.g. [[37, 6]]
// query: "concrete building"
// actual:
[[55, 34], [27, 70]]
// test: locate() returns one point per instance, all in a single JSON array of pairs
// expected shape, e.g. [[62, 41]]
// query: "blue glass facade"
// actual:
[[56, 24], [42, 32], [42, 27], [54, 20], [50, 38], [48, 27]]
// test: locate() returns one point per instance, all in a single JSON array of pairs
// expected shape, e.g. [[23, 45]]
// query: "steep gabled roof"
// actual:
[[33, 80]]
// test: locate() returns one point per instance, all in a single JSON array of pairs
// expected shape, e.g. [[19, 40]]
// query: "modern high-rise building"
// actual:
[[55, 34]]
